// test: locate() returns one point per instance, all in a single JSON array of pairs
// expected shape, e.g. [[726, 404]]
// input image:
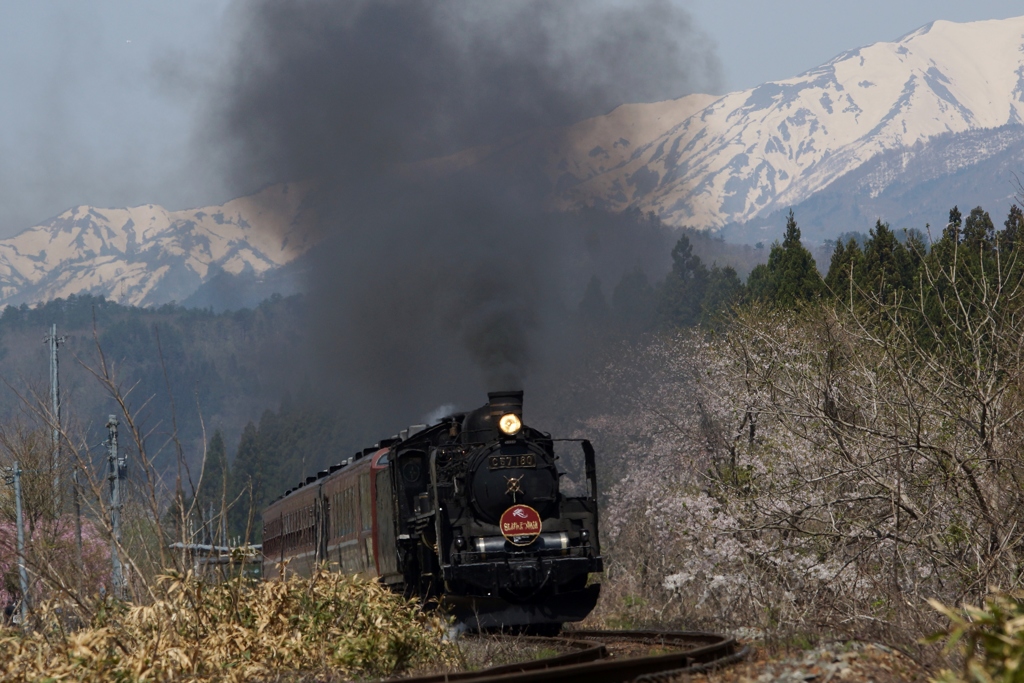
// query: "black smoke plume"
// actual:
[[442, 273]]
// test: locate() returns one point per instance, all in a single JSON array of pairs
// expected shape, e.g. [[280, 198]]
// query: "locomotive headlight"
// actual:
[[509, 424]]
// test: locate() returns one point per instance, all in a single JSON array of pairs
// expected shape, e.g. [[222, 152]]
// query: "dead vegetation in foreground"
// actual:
[[329, 625]]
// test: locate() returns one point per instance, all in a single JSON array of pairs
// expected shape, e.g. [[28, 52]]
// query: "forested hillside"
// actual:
[[887, 269], [833, 451], [180, 369]]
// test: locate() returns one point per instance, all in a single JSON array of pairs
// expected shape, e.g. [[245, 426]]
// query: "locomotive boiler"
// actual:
[[469, 513]]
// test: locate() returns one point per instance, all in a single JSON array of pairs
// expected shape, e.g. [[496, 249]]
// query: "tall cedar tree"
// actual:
[[683, 290], [288, 446], [844, 269], [790, 276], [966, 262], [888, 266], [248, 487], [724, 288], [211, 493], [1013, 231]]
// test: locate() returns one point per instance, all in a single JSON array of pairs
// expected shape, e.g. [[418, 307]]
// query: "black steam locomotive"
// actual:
[[468, 512]]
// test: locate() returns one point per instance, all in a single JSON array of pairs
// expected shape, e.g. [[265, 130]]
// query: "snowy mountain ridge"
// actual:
[[752, 152], [147, 255], [893, 129]]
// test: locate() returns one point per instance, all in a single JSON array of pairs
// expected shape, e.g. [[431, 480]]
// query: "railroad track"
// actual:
[[610, 657]]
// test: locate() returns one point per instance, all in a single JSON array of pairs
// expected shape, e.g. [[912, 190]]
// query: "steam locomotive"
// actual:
[[470, 513]]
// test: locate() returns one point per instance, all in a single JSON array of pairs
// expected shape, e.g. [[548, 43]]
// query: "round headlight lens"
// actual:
[[509, 424]]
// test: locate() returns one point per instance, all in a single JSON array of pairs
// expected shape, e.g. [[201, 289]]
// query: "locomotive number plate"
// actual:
[[502, 462]]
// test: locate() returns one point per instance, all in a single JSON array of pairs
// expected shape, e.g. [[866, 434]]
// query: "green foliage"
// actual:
[[990, 639], [846, 265], [288, 445], [790, 276], [180, 367], [969, 256], [1013, 230], [210, 492], [887, 265], [723, 289], [215, 472], [248, 487], [943, 252], [690, 295], [976, 274], [683, 290], [979, 230]]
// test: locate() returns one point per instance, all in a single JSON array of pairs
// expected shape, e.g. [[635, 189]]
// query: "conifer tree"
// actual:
[[978, 228], [211, 493], [684, 287], [248, 486], [978, 244], [790, 276], [1013, 230], [844, 268], [964, 265], [887, 266], [951, 233], [724, 288], [943, 251], [917, 249]]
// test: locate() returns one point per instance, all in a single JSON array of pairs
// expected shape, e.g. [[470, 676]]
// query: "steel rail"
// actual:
[[583, 651], [590, 660]]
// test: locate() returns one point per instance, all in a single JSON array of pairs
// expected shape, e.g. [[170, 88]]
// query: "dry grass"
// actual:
[[329, 625]]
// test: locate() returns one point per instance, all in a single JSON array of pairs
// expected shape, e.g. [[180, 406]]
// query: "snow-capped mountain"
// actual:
[[147, 255], [750, 153], [895, 130]]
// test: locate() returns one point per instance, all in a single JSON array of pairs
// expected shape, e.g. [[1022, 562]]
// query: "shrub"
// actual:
[[52, 557], [991, 639], [239, 630]]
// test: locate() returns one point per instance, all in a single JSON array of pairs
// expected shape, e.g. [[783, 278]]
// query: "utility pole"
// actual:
[[14, 477], [55, 436], [116, 467], [54, 341]]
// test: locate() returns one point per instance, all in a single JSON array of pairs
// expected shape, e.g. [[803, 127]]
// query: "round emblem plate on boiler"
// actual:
[[520, 525]]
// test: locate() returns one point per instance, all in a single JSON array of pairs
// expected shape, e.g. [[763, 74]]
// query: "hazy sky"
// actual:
[[764, 40], [99, 100]]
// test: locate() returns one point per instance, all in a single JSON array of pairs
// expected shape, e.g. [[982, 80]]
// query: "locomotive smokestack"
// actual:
[[491, 421], [505, 402]]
